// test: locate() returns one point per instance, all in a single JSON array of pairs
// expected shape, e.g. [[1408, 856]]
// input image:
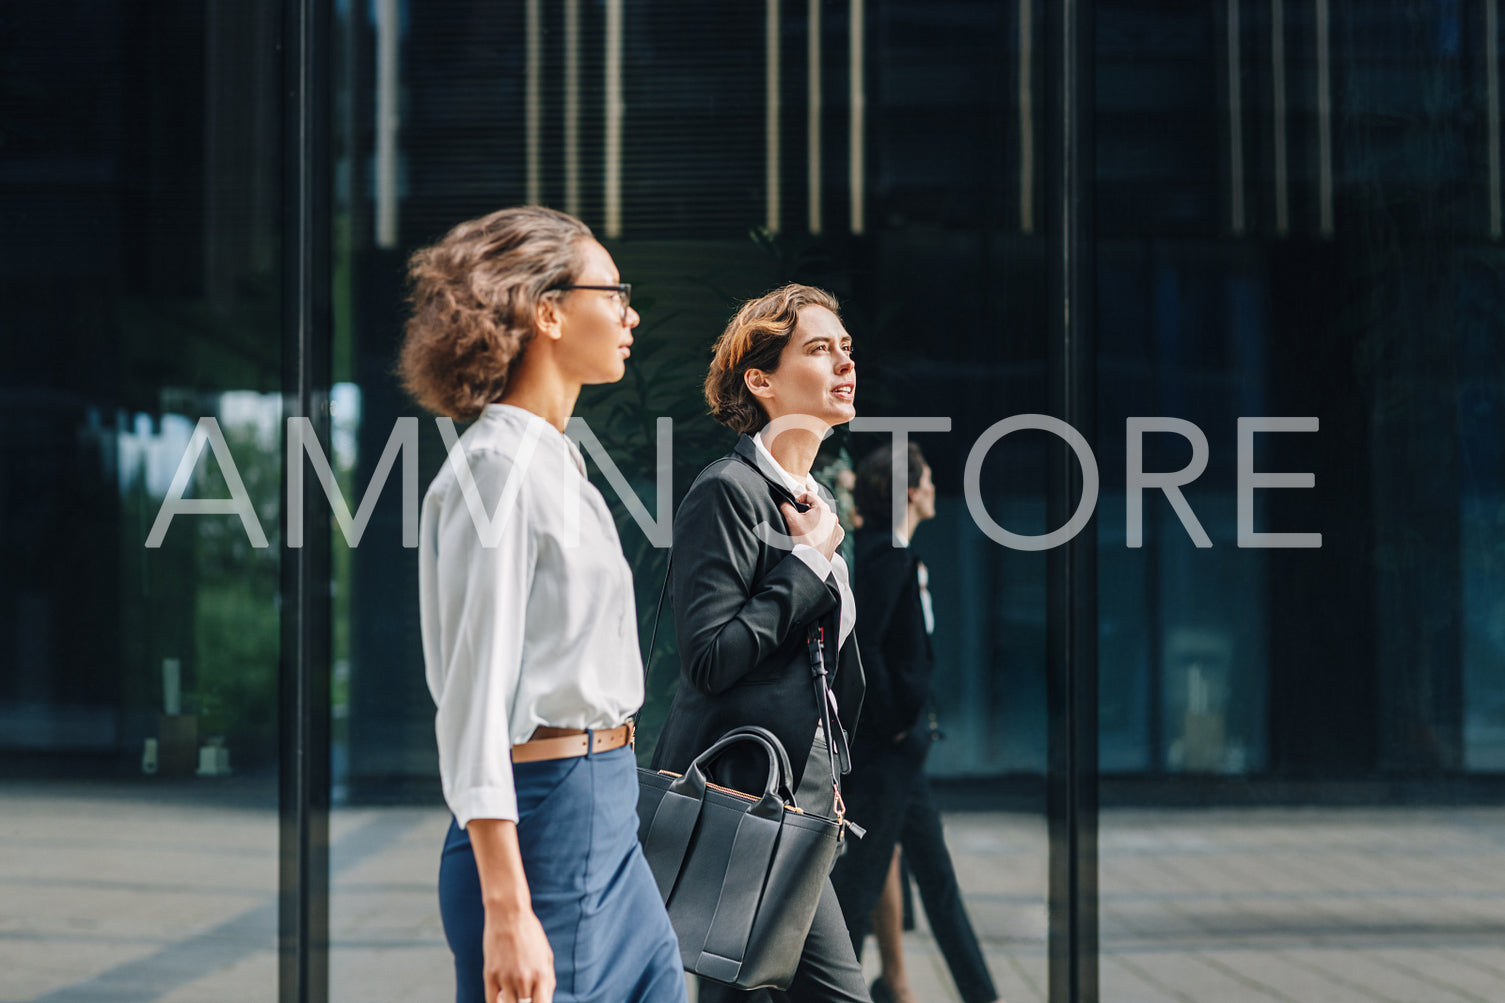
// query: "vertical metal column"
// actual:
[[533, 100], [1235, 121], [572, 107], [615, 109], [303, 679], [771, 102], [1324, 120], [1071, 575], [388, 121], [1278, 112], [1026, 85], [857, 122], [1492, 110], [813, 112]]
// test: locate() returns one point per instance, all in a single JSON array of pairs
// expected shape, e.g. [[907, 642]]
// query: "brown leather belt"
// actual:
[[565, 743]]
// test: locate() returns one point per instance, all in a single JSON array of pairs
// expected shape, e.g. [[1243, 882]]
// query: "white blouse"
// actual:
[[526, 602]]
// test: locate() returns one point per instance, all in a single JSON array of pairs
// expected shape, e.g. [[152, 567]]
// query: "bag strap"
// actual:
[[658, 614], [647, 659], [668, 839], [836, 737], [730, 930]]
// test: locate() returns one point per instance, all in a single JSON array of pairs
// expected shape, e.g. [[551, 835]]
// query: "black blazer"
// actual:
[[891, 629], [741, 608]]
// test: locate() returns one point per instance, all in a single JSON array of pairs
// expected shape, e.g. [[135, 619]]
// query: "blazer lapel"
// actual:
[[748, 452]]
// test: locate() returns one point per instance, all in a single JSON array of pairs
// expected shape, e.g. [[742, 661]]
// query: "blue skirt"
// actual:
[[592, 890]]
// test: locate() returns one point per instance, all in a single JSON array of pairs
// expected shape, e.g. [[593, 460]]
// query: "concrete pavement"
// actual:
[[145, 892]]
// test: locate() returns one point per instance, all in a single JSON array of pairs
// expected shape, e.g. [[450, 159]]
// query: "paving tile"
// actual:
[[387, 974], [1284, 980], [33, 968], [1020, 977], [1366, 972], [1128, 979], [1440, 968], [1189, 975], [109, 914], [252, 979], [1226, 906], [1488, 959]]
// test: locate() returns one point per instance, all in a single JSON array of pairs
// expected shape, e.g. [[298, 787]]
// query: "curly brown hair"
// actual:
[[475, 295], [754, 339]]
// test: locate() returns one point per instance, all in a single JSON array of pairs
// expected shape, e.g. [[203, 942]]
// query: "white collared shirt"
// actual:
[[814, 559], [527, 607]]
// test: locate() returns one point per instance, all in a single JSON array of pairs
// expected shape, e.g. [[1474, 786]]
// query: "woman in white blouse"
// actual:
[[529, 630]]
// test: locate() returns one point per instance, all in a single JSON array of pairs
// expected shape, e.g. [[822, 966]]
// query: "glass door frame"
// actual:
[[303, 682], [1071, 575]]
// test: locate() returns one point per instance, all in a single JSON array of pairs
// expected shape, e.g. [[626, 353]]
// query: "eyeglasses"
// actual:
[[622, 289]]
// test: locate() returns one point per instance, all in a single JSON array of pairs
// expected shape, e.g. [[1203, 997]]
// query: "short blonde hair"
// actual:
[[475, 295], [755, 339]]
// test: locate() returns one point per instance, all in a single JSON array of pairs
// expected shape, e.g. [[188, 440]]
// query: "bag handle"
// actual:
[[778, 747], [770, 805]]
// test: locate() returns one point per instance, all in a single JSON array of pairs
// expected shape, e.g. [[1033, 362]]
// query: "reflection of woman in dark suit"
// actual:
[[887, 789], [745, 594]]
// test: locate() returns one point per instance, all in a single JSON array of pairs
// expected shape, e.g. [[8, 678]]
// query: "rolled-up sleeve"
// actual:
[[480, 596], [814, 560]]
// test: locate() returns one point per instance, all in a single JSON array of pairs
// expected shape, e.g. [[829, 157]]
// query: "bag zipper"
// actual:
[[733, 792]]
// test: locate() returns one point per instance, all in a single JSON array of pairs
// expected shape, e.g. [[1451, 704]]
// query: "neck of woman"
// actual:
[[543, 390], [794, 450]]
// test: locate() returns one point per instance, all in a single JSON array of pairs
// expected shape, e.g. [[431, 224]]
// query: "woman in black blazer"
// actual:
[[755, 568]]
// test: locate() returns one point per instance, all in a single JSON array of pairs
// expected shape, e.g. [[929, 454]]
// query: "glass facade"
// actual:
[[1242, 738], [140, 286], [1318, 235]]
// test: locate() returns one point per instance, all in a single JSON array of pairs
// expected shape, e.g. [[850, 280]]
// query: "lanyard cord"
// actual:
[[658, 614]]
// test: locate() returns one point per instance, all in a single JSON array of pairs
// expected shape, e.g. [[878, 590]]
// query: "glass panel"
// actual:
[[1301, 744], [940, 270], [139, 290]]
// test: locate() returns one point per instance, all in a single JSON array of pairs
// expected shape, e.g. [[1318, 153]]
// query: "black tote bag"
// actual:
[[741, 874]]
